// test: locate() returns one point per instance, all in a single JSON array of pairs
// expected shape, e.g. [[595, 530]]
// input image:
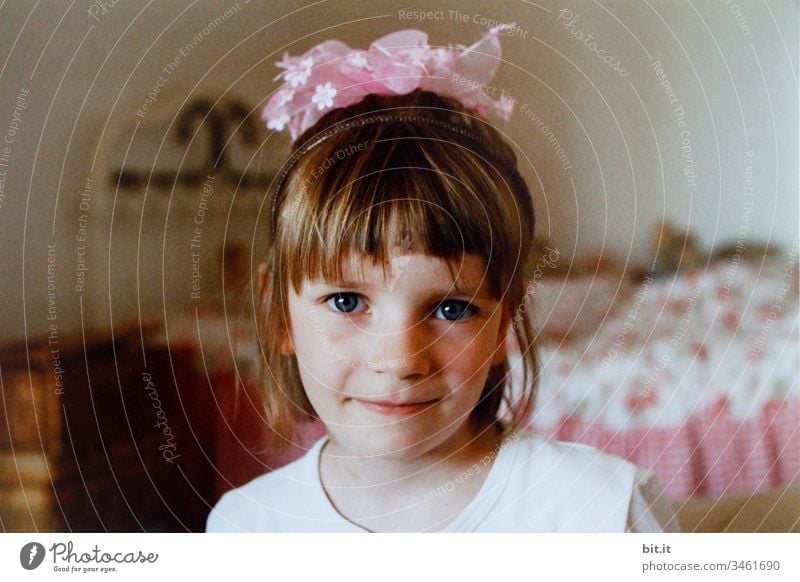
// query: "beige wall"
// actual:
[[71, 85]]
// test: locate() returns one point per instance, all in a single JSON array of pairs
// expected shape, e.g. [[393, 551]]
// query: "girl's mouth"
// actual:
[[396, 409]]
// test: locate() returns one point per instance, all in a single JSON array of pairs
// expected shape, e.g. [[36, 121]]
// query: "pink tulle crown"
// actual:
[[332, 75]]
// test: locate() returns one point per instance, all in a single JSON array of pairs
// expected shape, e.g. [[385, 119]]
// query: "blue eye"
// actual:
[[454, 310], [344, 302]]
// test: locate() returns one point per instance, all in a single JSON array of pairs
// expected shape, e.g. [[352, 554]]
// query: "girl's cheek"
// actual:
[[481, 347], [339, 339]]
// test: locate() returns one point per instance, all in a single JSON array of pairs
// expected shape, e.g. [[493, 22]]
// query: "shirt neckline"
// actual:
[[468, 519], [329, 507]]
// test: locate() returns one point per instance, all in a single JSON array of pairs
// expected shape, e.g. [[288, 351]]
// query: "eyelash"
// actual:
[[469, 309], [327, 300]]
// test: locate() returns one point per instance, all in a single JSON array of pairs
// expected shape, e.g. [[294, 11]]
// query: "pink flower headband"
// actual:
[[333, 75]]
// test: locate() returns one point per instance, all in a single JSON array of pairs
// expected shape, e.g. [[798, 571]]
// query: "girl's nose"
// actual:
[[402, 350]]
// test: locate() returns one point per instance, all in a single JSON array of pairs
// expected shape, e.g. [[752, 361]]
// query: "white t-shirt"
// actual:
[[534, 485]]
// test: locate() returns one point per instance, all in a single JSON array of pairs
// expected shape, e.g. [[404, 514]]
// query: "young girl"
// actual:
[[401, 230]]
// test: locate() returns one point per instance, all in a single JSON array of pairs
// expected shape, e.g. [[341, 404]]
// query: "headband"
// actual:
[[373, 118]]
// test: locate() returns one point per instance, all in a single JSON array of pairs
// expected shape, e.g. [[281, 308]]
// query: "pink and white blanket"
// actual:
[[694, 376]]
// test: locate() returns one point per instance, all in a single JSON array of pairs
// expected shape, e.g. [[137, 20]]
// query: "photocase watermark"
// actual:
[[491, 90], [777, 303], [400, 257], [530, 522], [338, 155], [679, 118], [96, 560], [664, 83], [482, 20], [531, 115], [81, 237], [689, 165], [422, 15], [633, 314], [100, 8], [568, 20], [744, 227], [550, 260], [474, 469], [20, 104], [741, 21], [362, 364], [168, 447], [31, 555], [152, 96], [680, 332], [183, 52], [52, 320], [197, 234], [314, 173]]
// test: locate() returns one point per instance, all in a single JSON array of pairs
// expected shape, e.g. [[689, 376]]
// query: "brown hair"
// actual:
[[370, 186]]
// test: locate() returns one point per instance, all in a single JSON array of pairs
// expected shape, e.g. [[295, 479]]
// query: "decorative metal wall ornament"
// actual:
[[219, 122]]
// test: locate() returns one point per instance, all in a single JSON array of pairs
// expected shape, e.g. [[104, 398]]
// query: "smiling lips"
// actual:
[[394, 409]]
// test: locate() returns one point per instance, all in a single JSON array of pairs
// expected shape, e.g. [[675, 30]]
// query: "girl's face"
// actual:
[[394, 364]]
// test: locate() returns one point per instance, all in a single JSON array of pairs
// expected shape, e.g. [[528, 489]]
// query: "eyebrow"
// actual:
[[479, 293], [340, 284]]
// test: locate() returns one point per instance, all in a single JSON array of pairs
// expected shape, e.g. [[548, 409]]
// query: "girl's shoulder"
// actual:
[[568, 469], [258, 505], [587, 490], [544, 485], [544, 453]]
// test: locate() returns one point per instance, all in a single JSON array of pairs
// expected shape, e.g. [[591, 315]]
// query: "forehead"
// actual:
[[467, 272], [340, 242]]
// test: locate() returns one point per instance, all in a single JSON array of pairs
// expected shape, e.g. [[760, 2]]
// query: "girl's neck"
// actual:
[[409, 494], [464, 448]]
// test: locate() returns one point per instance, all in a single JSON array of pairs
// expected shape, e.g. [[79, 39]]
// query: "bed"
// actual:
[[693, 374]]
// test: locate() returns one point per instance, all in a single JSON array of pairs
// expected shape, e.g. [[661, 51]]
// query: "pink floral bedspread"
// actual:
[[695, 376]]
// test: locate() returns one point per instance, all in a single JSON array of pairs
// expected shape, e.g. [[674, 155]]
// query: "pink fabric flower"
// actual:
[[323, 96], [332, 75]]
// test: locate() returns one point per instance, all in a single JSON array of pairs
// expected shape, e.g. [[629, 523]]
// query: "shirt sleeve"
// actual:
[[229, 515], [650, 510], [216, 523]]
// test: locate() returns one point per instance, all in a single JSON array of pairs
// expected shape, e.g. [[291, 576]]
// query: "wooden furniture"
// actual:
[[30, 439], [106, 438], [775, 510]]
